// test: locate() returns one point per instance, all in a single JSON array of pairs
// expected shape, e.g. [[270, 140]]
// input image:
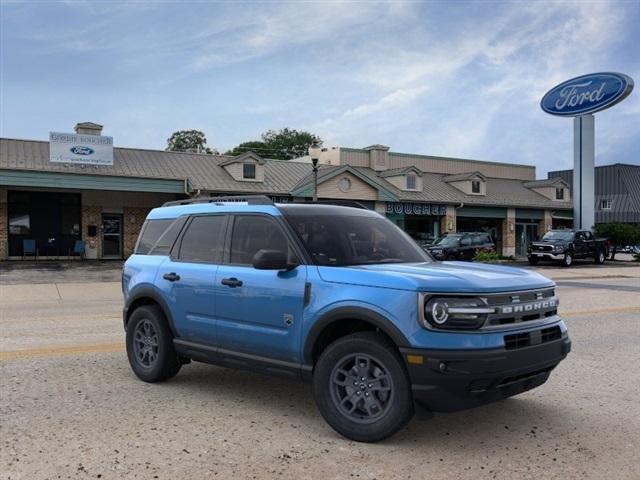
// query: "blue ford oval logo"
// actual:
[[79, 150], [587, 94]]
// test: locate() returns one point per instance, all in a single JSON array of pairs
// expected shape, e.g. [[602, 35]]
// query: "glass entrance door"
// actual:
[[111, 235], [525, 233]]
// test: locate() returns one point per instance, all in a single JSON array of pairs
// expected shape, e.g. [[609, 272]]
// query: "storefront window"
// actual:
[[19, 214], [70, 214]]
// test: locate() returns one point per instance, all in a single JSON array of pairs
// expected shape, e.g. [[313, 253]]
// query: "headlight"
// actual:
[[558, 248], [457, 313]]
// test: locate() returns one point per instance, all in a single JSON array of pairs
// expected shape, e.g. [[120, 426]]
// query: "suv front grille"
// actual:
[[518, 307], [522, 340]]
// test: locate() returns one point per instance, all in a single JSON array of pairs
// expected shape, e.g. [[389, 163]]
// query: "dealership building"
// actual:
[[78, 187]]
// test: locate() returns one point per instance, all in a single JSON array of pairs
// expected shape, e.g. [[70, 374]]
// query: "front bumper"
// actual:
[[450, 380], [546, 255]]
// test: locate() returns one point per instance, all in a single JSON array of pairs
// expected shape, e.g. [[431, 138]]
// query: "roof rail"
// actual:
[[337, 203], [249, 199]]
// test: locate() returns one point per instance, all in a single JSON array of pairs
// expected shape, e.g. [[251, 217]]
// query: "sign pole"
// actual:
[[583, 172]]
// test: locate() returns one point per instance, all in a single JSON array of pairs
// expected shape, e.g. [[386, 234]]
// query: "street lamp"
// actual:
[[314, 153]]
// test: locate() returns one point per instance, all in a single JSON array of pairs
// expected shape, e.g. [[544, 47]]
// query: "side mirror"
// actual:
[[265, 259]]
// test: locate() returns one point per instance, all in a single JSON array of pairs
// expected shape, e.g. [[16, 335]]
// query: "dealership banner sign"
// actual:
[[80, 149], [409, 208]]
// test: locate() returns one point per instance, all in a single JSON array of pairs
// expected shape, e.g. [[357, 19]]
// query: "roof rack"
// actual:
[[337, 203], [249, 199]]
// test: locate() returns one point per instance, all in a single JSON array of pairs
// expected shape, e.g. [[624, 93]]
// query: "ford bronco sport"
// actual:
[[340, 297]]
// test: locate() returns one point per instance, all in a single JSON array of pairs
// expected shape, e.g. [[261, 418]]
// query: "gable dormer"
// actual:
[[473, 183], [408, 179], [553, 188], [247, 167]]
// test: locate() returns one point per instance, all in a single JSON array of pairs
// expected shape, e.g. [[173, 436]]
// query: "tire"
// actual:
[[150, 345], [369, 410], [567, 261], [451, 258], [533, 260], [600, 257]]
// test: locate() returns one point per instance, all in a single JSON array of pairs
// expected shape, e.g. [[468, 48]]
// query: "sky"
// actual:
[[445, 78]]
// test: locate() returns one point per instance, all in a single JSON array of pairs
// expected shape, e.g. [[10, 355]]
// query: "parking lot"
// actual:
[[71, 408]]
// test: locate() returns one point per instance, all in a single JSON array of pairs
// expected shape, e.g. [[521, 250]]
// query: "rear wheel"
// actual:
[[600, 257], [567, 261], [150, 345], [361, 387]]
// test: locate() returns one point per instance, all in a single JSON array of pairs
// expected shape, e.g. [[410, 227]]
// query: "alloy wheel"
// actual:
[[361, 388], [145, 344]]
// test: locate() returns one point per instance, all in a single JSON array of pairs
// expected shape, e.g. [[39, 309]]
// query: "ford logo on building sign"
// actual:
[[79, 150], [587, 94]]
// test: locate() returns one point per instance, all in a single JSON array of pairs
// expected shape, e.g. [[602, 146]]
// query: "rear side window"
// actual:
[[203, 241], [150, 234], [168, 238]]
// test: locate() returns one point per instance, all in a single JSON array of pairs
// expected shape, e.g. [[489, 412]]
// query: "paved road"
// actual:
[[70, 407]]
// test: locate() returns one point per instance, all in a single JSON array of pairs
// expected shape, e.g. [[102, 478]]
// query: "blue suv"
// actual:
[[339, 297]]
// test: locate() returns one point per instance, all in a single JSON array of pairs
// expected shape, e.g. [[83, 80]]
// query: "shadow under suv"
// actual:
[[339, 297]]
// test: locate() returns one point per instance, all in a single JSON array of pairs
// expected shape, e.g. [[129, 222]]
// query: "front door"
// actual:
[[187, 278], [525, 234], [259, 310], [111, 235]]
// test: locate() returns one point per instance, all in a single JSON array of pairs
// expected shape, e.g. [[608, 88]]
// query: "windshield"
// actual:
[[448, 241], [344, 240], [558, 235]]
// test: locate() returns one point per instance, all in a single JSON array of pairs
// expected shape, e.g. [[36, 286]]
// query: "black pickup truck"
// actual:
[[566, 245]]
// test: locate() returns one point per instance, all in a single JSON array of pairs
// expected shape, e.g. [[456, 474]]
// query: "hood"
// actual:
[[550, 242], [449, 277]]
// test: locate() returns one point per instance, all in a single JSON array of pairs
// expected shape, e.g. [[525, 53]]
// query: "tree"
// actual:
[[283, 144], [188, 141], [255, 146], [619, 234]]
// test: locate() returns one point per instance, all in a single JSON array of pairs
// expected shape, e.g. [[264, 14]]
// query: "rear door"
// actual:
[[467, 249], [259, 312], [187, 277]]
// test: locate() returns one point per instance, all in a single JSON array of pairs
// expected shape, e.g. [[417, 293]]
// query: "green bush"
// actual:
[[486, 257]]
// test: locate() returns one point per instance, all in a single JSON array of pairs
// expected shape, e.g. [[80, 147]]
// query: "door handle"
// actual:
[[231, 282], [172, 277]]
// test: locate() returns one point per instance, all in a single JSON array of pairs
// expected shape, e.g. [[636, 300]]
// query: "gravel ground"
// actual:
[[71, 408]]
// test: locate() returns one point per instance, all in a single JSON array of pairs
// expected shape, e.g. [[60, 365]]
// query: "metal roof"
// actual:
[[205, 172]]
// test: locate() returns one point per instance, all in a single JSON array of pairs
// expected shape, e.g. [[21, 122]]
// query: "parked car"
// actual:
[[340, 297], [461, 246], [564, 246]]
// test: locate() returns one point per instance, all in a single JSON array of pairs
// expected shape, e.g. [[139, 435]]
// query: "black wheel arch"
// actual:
[[361, 314], [146, 295]]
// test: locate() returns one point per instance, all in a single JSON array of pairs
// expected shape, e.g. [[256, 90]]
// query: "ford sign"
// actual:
[[79, 150], [587, 94]]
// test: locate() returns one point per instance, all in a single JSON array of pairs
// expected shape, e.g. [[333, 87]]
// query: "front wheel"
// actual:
[[600, 257], [567, 261], [361, 387], [533, 260], [150, 345]]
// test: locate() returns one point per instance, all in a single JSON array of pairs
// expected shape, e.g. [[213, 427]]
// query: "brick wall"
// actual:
[[133, 218], [546, 223], [449, 220], [4, 226], [91, 215], [509, 233]]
